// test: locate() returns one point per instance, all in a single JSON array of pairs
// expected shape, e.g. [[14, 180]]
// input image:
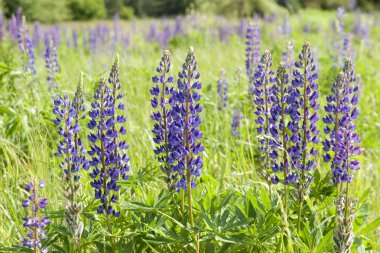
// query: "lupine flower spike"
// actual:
[[185, 127], [237, 116], [51, 63], [279, 130], [222, 88], [71, 149], [252, 53], [109, 161], [303, 111], [341, 148], [163, 138], [35, 224], [263, 80]]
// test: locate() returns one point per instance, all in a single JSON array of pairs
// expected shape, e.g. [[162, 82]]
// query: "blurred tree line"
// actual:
[[60, 10]]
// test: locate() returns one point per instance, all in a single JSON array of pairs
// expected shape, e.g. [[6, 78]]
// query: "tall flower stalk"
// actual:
[[304, 110], [281, 97], [35, 224], [109, 161], [163, 137], [51, 62], [341, 149], [186, 121], [263, 80], [71, 149], [222, 88], [252, 52]]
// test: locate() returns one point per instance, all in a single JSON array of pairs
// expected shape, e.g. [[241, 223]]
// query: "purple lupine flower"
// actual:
[[70, 148], [237, 116], [281, 98], [153, 34], [109, 161], [341, 144], [185, 126], [25, 46], [263, 79], [51, 62], [179, 28], [35, 225], [222, 89], [241, 28], [303, 111], [163, 119], [252, 51]]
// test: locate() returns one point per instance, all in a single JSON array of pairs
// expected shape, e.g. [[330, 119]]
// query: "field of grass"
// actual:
[[232, 207]]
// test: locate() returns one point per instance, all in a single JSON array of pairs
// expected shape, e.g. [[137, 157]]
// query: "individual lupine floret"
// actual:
[[222, 89], [51, 62], [343, 233], [185, 126], [109, 161], [303, 112], [35, 224], [237, 116], [72, 151], [161, 94], [341, 144], [252, 50], [263, 80]]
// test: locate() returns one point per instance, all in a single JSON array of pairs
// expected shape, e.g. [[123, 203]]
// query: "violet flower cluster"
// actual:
[[303, 108], [164, 139], [222, 88], [35, 224], [109, 161], [51, 63], [342, 143], [185, 126]]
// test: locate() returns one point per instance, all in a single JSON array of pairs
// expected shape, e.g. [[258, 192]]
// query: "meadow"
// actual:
[[233, 208]]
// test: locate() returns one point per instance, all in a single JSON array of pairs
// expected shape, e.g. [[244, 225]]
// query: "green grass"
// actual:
[[229, 190]]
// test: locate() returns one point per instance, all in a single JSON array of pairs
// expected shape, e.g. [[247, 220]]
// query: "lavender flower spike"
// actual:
[[263, 80], [71, 149], [341, 111], [51, 63], [163, 118], [303, 111], [109, 161], [252, 51], [186, 121], [222, 88], [35, 224], [237, 116]]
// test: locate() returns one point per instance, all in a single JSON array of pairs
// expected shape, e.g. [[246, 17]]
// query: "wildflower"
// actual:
[[341, 112], [185, 126], [263, 79], [236, 119], [303, 111], [51, 62], [222, 88], [163, 118], [109, 161], [252, 51], [35, 225]]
